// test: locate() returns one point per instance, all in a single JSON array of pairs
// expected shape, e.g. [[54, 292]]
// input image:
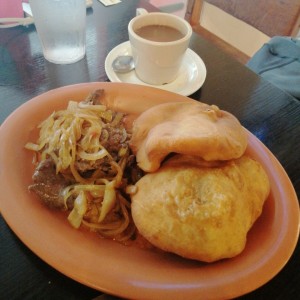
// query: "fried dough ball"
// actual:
[[201, 213], [190, 128]]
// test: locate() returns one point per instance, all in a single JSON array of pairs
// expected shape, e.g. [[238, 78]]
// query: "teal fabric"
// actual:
[[278, 61]]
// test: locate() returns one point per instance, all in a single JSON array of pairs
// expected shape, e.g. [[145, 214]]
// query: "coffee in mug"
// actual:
[[158, 42], [159, 33]]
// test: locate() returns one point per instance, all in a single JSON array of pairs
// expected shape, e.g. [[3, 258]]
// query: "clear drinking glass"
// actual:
[[60, 25]]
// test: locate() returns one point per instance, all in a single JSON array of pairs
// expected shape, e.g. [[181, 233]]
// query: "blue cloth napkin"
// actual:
[[278, 61]]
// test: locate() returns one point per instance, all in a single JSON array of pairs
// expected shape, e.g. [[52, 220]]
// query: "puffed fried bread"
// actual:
[[190, 128], [201, 213]]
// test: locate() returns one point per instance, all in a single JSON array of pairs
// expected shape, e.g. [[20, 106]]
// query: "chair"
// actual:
[[241, 27]]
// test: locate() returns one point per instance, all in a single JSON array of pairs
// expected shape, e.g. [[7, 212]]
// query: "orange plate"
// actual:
[[128, 271]]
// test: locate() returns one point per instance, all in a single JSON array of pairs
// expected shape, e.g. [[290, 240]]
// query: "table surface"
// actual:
[[269, 113]]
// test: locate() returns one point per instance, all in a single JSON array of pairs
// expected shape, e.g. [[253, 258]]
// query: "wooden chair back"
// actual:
[[241, 27]]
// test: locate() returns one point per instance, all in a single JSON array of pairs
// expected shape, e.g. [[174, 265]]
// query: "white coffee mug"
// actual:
[[158, 62]]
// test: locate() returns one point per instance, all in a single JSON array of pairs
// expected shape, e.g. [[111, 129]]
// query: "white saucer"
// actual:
[[191, 75]]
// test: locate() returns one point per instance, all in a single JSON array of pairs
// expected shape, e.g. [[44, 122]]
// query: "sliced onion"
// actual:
[[93, 156]]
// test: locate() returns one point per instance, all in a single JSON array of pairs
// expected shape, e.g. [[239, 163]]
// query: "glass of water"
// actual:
[[60, 25]]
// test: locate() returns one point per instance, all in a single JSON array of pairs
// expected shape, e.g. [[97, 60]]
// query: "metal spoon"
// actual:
[[123, 64]]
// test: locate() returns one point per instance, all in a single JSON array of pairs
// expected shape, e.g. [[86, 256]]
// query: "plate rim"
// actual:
[[131, 291]]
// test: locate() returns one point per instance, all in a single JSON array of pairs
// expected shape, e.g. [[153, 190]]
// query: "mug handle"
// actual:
[[141, 11]]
